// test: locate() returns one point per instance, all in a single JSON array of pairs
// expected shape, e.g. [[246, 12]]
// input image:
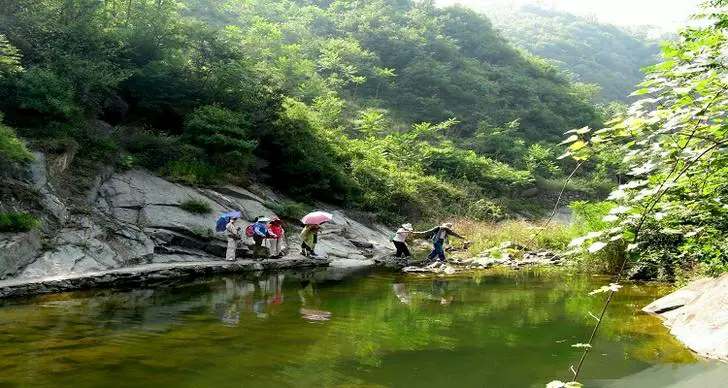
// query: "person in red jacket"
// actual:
[[276, 243]]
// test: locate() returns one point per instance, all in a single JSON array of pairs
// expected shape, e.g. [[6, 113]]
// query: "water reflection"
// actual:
[[311, 301], [400, 291], [377, 330]]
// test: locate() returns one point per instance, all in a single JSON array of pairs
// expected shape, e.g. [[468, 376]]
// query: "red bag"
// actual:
[[249, 232]]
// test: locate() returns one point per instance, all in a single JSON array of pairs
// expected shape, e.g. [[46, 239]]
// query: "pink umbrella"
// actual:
[[316, 218]]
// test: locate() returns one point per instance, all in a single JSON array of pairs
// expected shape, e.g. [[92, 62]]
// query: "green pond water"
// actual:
[[371, 329]]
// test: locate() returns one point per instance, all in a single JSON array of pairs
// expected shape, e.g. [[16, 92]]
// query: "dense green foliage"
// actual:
[[588, 51], [17, 222], [672, 211], [343, 101], [12, 149]]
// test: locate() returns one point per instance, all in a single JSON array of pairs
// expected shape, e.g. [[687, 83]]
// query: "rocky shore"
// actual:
[[484, 260], [697, 315], [133, 226], [148, 275]]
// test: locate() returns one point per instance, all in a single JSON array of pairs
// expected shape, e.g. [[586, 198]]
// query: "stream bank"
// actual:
[[131, 226], [697, 315]]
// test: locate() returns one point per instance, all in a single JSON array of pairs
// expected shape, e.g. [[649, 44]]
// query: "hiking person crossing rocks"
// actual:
[[440, 236], [399, 239]]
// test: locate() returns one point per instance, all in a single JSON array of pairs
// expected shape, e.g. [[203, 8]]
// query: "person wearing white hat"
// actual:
[[440, 236], [400, 240], [260, 233]]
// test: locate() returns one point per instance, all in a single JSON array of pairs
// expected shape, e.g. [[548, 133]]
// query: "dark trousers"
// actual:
[[402, 250], [258, 244], [437, 251], [306, 250]]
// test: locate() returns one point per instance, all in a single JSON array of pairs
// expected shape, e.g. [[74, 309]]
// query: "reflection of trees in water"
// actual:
[[367, 323]]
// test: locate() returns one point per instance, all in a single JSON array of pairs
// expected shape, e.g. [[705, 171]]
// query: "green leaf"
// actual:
[[577, 146], [640, 92], [596, 247], [570, 139]]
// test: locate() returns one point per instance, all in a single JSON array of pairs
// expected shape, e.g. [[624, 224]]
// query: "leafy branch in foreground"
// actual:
[[674, 140]]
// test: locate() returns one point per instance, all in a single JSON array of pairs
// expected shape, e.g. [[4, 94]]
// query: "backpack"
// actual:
[[249, 231]]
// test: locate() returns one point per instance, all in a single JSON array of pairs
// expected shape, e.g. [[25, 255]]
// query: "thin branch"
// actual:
[[643, 217]]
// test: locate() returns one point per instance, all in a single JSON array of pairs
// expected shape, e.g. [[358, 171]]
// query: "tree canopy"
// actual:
[[373, 103], [585, 50]]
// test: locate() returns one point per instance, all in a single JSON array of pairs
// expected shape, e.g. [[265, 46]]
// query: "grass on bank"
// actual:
[[537, 235], [15, 222], [196, 206]]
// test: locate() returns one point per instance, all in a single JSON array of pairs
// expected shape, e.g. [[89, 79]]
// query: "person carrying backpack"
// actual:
[[232, 232], [400, 240], [260, 233], [440, 236]]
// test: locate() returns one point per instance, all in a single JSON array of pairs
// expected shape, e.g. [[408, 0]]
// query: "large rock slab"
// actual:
[[136, 218], [85, 246], [697, 315], [17, 250], [49, 199]]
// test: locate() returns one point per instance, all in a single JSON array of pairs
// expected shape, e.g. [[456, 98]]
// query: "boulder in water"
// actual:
[[697, 316]]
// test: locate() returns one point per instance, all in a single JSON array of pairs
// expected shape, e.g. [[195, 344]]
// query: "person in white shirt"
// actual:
[[400, 240], [232, 230]]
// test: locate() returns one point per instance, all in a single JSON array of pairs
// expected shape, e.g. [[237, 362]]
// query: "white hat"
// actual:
[[407, 226], [263, 219]]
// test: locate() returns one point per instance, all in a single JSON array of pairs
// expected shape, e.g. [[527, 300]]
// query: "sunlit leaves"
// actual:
[[570, 139], [561, 384], [581, 346], [9, 58], [612, 287], [596, 247]]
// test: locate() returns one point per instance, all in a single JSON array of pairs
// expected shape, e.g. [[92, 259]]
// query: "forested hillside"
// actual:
[[392, 106], [588, 51]]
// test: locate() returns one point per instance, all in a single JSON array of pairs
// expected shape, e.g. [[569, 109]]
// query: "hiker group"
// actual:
[[270, 232]]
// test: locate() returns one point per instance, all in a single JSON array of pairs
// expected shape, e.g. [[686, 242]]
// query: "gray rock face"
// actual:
[[697, 315], [136, 219], [50, 201], [17, 251], [85, 246]]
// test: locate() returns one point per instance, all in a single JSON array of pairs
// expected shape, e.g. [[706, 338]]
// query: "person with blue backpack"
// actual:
[[440, 236], [260, 233]]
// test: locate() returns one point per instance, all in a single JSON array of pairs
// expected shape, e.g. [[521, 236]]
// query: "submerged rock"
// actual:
[[393, 262], [697, 316]]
